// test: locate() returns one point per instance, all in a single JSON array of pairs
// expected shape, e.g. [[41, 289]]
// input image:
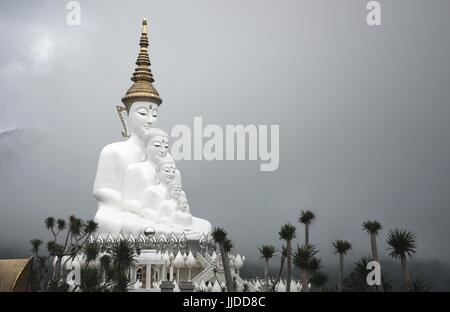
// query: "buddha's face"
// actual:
[[157, 148], [182, 202], [167, 172], [142, 116], [175, 190]]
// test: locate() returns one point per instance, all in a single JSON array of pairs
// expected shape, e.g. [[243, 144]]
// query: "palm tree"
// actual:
[[373, 228], [61, 224], [304, 258], [123, 256], [287, 233], [341, 247], [402, 244], [417, 285], [283, 255], [228, 245], [78, 231], [38, 265], [90, 227], [220, 237], [318, 279], [35, 245], [91, 252], [267, 252], [75, 227], [91, 280], [306, 217], [50, 225], [105, 262], [356, 281]]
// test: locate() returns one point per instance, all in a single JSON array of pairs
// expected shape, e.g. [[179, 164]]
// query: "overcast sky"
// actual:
[[363, 112]]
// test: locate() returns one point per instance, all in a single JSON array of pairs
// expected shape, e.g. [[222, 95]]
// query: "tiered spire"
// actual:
[[142, 88]]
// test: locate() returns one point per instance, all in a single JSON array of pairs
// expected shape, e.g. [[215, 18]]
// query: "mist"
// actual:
[[362, 112]]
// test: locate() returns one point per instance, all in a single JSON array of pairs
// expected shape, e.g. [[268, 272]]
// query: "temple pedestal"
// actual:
[[167, 286], [186, 286]]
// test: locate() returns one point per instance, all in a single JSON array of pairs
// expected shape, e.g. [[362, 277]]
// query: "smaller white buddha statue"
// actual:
[[182, 217], [167, 207], [139, 178], [155, 194], [143, 174]]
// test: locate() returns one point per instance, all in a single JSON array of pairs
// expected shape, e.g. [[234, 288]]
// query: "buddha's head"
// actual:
[[167, 171], [157, 145], [183, 203], [175, 190], [141, 117]]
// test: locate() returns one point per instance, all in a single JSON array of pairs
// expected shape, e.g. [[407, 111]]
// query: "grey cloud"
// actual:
[[363, 112]]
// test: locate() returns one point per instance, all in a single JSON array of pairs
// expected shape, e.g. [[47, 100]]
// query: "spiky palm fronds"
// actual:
[[401, 242], [315, 264], [360, 266], [357, 279], [105, 262], [267, 251], [61, 223], [91, 252], [318, 279], [287, 232], [91, 280], [90, 227], [123, 255], [49, 223], [341, 246], [219, 235], [75, 226], [372, 227], [35, 245], [306, 217], [304, 257], [228, 245], [417, 285], [55, 249]]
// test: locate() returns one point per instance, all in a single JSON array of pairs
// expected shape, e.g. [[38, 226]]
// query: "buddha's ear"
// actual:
[[123, 115]]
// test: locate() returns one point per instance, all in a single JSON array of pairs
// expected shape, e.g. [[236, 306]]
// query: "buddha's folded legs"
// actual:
[[134, 224], [109, 221]]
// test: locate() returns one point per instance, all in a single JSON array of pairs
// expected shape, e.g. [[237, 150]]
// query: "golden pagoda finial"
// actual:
[[142, 88], [144, 26]]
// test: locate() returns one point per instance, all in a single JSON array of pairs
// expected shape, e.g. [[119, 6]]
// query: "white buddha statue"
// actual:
[[114, 160], [167, 206], [141, 103], [141, 176], [137, 177], [155, 194], [182, 217], [145, 185]]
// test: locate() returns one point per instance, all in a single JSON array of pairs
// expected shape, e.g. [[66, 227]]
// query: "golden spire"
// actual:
[[142, 88]]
